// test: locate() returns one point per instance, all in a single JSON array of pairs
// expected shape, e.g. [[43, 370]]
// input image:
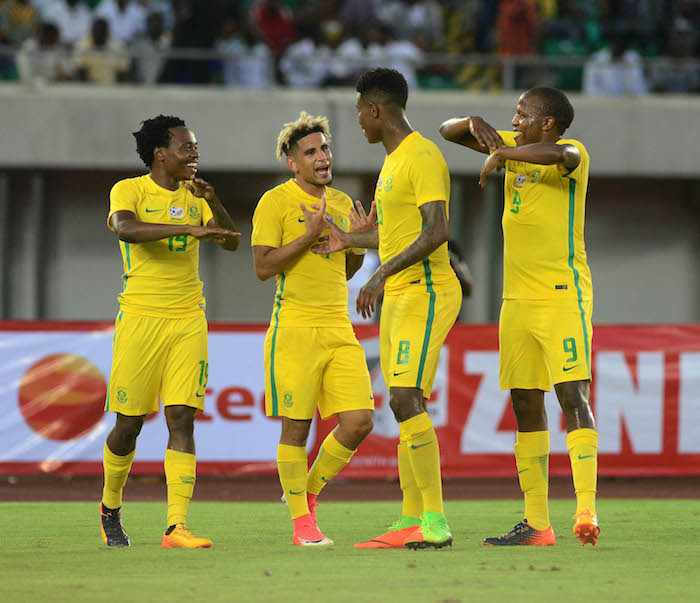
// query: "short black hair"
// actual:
[[388, 84], [555, 103], [155, 133]]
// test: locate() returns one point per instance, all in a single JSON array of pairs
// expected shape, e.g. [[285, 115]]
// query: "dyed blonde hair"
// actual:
[[294, 131]]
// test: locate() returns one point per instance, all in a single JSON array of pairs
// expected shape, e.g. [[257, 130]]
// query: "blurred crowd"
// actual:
[[602, 47]]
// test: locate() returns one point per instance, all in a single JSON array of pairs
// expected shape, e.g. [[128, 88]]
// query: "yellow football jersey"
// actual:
[[413, 174], [544, 255], [313, 292], [161, 278]]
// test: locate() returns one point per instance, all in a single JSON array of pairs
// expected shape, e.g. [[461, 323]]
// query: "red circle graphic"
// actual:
[[62, 396]]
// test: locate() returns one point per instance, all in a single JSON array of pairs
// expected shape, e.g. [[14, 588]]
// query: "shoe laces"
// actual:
[[183, 531], [523, 526], [394, 526]]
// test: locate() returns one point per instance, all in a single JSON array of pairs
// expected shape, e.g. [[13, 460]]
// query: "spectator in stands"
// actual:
[[148, 50], [194, 29], [677, 72], [346, 60], [246, 60], [165, 8], [422, 22], [303, 63], [615, 70], [517, 28], [72, 18], [356, 14], [573, 32], [43, 58], [41, 5], [18, 21], [126, 18], [274, 24], [402, 55], [637, 20], [99, 58]]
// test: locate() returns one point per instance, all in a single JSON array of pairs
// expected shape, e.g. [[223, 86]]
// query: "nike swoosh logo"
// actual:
[[397, 374], [150, 211], [200, 395], [569, 368], [187, 479], [323, 479], [522, 471], [300, 492], [413, 446], [587, 456], [302, 220]]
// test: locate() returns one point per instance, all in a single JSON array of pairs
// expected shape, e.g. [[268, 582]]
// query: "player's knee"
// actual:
[[128, 427], [406, 405], [524, 406], [363, 427], [574, 404], [180, 420]]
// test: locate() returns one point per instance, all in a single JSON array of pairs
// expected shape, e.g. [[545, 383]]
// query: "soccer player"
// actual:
[[312, 357], [545, 328], [160, 337], [422, 296]]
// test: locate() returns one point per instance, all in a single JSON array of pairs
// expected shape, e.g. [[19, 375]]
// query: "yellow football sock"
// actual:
[[583, 452], [412, 499], [424, 454], [180, 476], [532, 460], [292, 466], [116, 470], [332, 457]]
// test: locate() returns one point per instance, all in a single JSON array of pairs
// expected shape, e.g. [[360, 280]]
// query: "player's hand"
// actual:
[[213, 234], [485, 134], [492, 162], [360, 221], [335, 240], [201, 188], [367, 298], [315, 220]]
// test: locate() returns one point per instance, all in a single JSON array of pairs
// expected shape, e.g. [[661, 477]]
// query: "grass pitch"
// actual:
[[647, 551]]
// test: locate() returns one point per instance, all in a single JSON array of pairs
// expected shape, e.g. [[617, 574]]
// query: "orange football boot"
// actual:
[[395, 536], [179, 537], [586, 527]]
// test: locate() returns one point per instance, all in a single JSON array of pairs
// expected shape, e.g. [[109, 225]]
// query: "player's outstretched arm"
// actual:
[[472, 132], [270, 261], [434, 233], [131, 230], [541, 153], [202, 189]]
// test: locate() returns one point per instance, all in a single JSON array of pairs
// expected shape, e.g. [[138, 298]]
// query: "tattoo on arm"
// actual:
[[365, 239], [221, 216], [434, 233]]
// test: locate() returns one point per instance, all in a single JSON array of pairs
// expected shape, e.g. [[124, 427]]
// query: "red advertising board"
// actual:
[[645, 394]]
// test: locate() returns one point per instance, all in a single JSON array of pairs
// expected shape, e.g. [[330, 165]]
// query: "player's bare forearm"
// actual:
[[131, 230], [271, 261], [434, 234], [353, 263], [222, 219], [542, 153], [365, 239], [471, 132]]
